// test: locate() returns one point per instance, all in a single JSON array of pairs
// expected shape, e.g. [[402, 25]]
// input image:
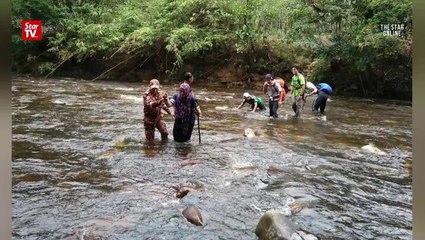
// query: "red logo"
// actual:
[[31, 30]]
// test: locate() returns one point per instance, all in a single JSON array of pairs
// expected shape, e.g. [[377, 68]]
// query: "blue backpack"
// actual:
[[325, 88]]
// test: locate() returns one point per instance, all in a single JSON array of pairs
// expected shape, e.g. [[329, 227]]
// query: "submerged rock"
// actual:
[[123, 143], [108, 154], [300, 235], [193, 215], [249, 133], [222, 108], [243, 168], [104, 227], [297, 206], [183, 190], [189, 163], [371, 148]]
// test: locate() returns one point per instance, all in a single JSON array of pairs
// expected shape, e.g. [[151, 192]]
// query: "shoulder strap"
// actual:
[[275, 83]]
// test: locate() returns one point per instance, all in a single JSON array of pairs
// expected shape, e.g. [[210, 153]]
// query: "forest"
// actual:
[[341, 42]]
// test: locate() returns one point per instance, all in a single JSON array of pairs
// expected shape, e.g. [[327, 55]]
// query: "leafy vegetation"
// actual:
[[336, 41]]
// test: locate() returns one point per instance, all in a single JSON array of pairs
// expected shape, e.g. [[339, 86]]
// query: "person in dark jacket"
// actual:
[[185, 110], [273, 90]]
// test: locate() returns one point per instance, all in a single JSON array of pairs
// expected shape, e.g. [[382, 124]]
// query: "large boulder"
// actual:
[[274, 225]]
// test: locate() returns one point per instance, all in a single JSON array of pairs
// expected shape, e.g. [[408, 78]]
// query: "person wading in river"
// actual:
[[153, 103], [296, 91], [185, 109], [310, 89], [255, 102], [188, 78], [323, 93], [166, 106], [151, 82], [272, 88]]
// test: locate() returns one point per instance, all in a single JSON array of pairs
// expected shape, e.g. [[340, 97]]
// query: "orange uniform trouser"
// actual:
[[150, 129]]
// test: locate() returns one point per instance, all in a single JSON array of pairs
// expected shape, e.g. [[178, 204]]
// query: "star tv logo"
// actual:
[[31, 30]]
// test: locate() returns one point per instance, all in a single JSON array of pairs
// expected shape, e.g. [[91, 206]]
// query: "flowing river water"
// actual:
[[82, 169]]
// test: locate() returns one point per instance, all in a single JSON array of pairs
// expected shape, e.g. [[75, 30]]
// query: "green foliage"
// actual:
[[45, 67], [335, 36], [391, 12], [320, 67]]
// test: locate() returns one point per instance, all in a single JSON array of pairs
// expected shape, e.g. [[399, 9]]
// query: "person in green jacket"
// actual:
[[255, 102], [296, 91]]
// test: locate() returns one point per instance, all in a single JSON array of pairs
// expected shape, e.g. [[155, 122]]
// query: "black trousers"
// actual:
[[320, 102], [273, 106]]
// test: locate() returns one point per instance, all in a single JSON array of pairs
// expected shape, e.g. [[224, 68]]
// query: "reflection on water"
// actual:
[[81, 167]]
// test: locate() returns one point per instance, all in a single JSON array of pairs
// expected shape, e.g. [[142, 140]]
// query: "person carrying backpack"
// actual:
[[283, 87], [273, 90]]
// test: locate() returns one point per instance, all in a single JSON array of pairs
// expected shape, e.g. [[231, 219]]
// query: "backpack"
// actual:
[[283, 85]]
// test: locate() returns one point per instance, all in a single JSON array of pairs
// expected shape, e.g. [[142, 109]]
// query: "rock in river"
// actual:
[[183, 190], [193, 215], [300, 235], [189, 163], [249, 133], [371, 148], [274, 225]]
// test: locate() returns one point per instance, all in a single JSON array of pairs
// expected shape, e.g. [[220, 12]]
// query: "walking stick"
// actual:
[[198, 113], [199, 131]]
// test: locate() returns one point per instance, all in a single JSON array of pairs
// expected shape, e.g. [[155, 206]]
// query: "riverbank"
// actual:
[[228, 77]]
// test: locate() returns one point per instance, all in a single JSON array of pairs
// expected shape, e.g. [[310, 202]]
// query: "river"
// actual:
[[82, 169]]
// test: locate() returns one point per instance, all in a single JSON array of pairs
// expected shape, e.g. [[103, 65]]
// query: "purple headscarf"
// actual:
[[186, 88]]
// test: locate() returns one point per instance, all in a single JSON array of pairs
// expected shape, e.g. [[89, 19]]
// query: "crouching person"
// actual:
[[255, 102]]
